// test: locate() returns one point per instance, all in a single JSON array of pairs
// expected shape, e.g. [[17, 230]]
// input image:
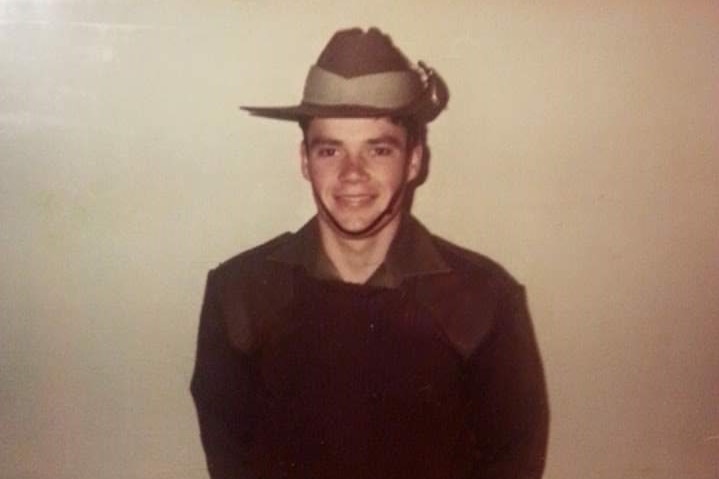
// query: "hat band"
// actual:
[[377, 90]]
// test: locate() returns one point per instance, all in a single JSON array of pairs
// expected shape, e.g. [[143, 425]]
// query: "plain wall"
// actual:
[[580, 150]]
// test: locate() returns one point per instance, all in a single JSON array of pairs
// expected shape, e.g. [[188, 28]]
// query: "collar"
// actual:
[[411, 254]]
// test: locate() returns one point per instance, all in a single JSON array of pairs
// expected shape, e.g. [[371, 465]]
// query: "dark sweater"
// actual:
[[361, 384], [435, 376]]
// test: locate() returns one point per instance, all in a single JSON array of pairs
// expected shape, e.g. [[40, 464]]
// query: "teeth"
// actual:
[[354, 200]]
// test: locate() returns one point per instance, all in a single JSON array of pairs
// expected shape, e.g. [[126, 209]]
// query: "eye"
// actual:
[[382, 150], [326, 152]]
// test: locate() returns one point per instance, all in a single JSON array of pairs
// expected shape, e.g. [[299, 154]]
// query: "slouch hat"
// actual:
[[362, 74]]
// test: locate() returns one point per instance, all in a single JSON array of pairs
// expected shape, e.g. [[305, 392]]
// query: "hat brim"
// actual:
[[308, 110], [425, 108]]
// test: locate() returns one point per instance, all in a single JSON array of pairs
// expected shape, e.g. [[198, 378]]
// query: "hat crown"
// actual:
[[353, 52]]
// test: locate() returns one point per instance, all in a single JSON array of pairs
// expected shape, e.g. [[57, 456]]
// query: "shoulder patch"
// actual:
[[465, 303], [252, 291]]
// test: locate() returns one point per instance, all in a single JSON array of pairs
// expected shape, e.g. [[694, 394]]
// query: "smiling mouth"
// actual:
[[354, 200]]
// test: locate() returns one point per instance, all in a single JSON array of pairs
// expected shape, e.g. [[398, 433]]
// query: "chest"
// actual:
[[341, 342]]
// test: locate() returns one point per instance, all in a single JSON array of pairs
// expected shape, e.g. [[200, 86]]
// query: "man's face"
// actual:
[[358, 168]]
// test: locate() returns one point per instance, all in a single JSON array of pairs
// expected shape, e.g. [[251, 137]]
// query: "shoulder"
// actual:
[[252, 273], [473, 265], [250, 261]]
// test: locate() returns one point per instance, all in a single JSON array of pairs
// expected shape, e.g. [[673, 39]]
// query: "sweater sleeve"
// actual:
[[223, 389], [510, 413]]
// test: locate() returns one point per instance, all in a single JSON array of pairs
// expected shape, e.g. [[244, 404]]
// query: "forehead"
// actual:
[[355, 129]]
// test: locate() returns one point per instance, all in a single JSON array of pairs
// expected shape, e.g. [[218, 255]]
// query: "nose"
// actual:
[[354, 168]]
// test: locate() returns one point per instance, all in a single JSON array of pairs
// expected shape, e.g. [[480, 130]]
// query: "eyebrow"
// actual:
[[384, 139], [324, 141]]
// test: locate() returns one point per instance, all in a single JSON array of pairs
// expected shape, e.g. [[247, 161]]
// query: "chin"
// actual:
[[361, 228], [355, 227]]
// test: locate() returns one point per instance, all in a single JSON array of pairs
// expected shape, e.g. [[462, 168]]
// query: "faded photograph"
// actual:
[[260, 239]]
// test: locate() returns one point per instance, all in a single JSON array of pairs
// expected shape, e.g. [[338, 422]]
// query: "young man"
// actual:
[[362, 346]]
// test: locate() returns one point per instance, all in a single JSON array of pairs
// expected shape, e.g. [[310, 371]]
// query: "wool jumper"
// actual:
[[428, 371], [361, 384]]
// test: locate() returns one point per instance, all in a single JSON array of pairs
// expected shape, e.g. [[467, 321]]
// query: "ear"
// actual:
[[415, 162], [304, 165]]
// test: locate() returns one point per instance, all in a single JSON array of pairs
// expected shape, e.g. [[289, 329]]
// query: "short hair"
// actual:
[[416, 130]]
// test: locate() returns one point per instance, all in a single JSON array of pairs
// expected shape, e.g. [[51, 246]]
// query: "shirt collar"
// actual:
[[412, 253]]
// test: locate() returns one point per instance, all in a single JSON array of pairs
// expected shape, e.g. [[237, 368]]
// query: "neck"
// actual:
[[356, 259]]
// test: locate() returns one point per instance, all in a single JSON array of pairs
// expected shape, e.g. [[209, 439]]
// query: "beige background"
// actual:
[[580, 150]]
